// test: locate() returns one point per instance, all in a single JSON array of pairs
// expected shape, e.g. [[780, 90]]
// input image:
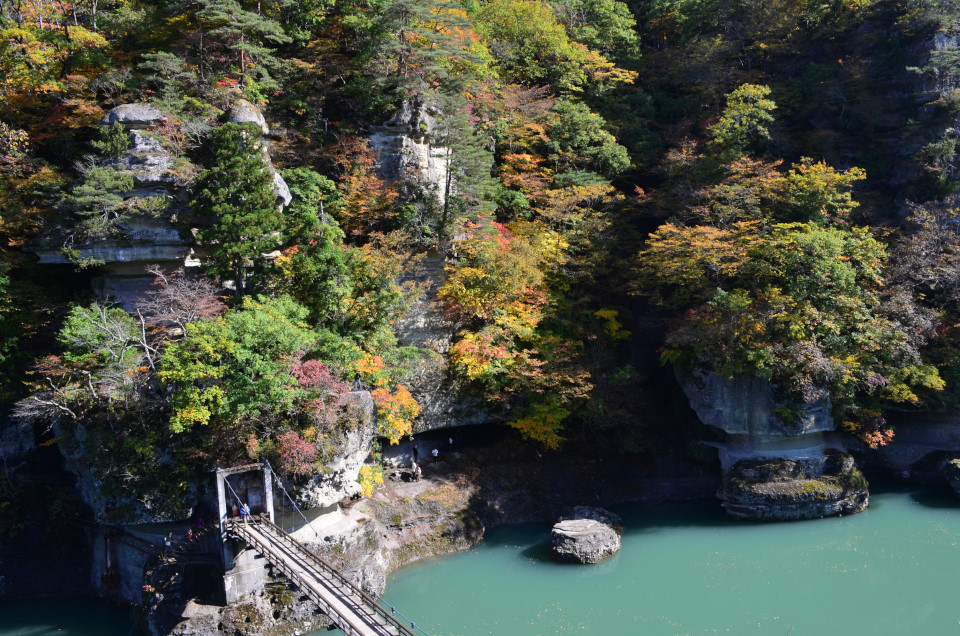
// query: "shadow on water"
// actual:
[[937, 497], [539, 553]]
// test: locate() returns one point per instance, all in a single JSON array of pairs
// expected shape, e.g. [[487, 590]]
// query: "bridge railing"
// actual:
[[388, 614], [372, 602], [343, 622]]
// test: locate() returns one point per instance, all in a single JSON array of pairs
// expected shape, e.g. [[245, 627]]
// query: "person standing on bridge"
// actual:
[[243, 513]]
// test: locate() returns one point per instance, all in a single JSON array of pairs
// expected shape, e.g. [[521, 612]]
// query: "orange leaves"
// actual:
[[493, 276], [367, 199], [476, 354], [682, 265], [372, 370]]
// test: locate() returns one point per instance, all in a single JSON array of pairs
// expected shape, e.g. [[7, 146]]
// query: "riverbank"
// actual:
[[479, 484]]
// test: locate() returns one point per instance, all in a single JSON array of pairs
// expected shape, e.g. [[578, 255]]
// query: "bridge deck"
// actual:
[[354, 611]]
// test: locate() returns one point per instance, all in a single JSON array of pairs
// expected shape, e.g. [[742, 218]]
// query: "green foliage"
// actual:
[[422, 46], [236, 368], [578, 138], [469, 185], [112, 140], [315, 270], [250, 36], [745, 120], [606, 26], [819, 193], [10, 329], [97, 200], [103, 342], [236, 188], [533, 46]]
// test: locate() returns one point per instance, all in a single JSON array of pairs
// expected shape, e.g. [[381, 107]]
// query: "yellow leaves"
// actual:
[[395, 412], [543, 423], [612, 326], [905, 379], [693, 261], [369, 478], [604, 73], [82, 38]]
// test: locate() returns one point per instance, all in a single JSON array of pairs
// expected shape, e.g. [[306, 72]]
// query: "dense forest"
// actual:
[[749, 188]]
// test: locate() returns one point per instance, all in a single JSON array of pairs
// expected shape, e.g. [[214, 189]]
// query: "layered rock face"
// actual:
[[952, 474], [443, 403], [405, 150], [165, 238], [779, 459]]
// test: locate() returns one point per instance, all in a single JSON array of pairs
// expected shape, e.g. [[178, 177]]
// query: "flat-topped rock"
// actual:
[[140, 115], [583, 541]]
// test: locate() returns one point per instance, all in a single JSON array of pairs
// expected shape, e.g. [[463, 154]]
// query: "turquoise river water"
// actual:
[[684, 569]]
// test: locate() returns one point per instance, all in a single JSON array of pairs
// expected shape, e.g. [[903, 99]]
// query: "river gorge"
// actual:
[[685, 568]]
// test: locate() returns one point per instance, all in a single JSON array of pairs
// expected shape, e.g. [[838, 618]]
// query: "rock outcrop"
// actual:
[[128, 506], [783, 489], [778, 456], [597, 514], [405, 150], [339, 478], [951, 472], [747, 405], [135, 115], [155, 226], [244, 112], [583, 541], [281, 610], [923, 444], [443, 402]]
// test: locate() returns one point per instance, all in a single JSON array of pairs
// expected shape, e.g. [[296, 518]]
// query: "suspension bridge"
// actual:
[[358, 612]]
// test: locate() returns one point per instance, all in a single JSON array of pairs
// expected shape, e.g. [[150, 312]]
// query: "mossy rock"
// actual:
[[786, 489]]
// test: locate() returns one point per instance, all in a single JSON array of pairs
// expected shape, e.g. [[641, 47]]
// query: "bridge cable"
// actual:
[[226, 480]]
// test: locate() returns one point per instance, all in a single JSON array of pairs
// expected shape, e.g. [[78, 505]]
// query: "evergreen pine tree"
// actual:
[[426, 45], [468, 183], [237, 188], [249, 34]]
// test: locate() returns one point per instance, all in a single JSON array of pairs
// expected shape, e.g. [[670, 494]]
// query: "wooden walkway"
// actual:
[[354, 611]]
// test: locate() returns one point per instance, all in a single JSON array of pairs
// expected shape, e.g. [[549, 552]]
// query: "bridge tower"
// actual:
[[244, 570]]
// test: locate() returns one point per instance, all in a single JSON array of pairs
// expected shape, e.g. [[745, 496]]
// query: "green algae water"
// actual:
[[64, 617], [686, 569]]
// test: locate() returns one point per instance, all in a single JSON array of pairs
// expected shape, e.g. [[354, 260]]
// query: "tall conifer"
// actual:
[[237, 188]]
